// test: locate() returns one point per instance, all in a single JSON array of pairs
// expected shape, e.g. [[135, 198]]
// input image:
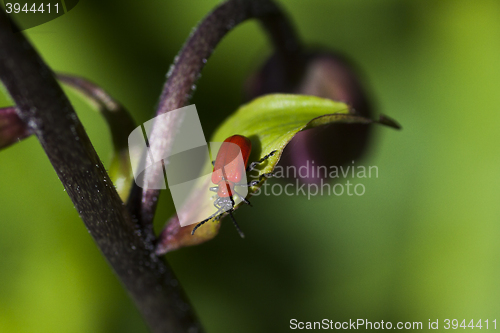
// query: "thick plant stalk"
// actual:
[[42, 105], [126, 242], [185, 72]]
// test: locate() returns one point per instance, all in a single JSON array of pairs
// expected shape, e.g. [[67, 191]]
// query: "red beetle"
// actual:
[[229, 172]]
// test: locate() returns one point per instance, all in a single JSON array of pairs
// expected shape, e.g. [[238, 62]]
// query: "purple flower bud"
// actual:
[[12, 128]]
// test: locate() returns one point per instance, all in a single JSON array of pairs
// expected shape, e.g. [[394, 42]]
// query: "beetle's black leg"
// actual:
[[252, 183], [254, 164], [261, 178], [242, 198], [213, 163], [242, 235], [214, 188], [217, 203], [265, 176], [246, 201]]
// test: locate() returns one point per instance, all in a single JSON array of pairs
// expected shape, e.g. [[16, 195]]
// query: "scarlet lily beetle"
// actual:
[[228, 172]]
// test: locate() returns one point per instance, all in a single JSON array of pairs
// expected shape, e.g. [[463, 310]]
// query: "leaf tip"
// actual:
[[388, 121]]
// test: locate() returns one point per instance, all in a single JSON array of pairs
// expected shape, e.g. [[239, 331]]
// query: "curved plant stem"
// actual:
[[117, 117], [120, 124], [119, 121], [42, 105], [185, 72]]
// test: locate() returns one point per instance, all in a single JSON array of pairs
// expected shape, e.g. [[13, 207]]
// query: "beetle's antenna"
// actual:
[[216, 215], [236, 224]]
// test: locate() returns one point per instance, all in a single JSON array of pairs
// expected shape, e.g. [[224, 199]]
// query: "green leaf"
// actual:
[[270, 122]]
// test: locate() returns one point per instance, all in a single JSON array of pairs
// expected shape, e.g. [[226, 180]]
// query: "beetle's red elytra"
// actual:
[[229, 172], [228, 168]]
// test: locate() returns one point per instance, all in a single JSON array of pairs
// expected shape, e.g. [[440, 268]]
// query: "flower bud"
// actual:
[[12, 128]]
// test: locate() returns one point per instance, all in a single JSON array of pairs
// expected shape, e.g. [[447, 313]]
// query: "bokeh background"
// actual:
[[422, 243]]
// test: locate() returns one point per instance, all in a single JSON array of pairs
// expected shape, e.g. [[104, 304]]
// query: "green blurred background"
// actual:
[[421, 244]]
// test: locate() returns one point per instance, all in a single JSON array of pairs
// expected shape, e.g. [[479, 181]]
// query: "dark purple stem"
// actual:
[[42, 105], [185, 72], [120, 123]]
